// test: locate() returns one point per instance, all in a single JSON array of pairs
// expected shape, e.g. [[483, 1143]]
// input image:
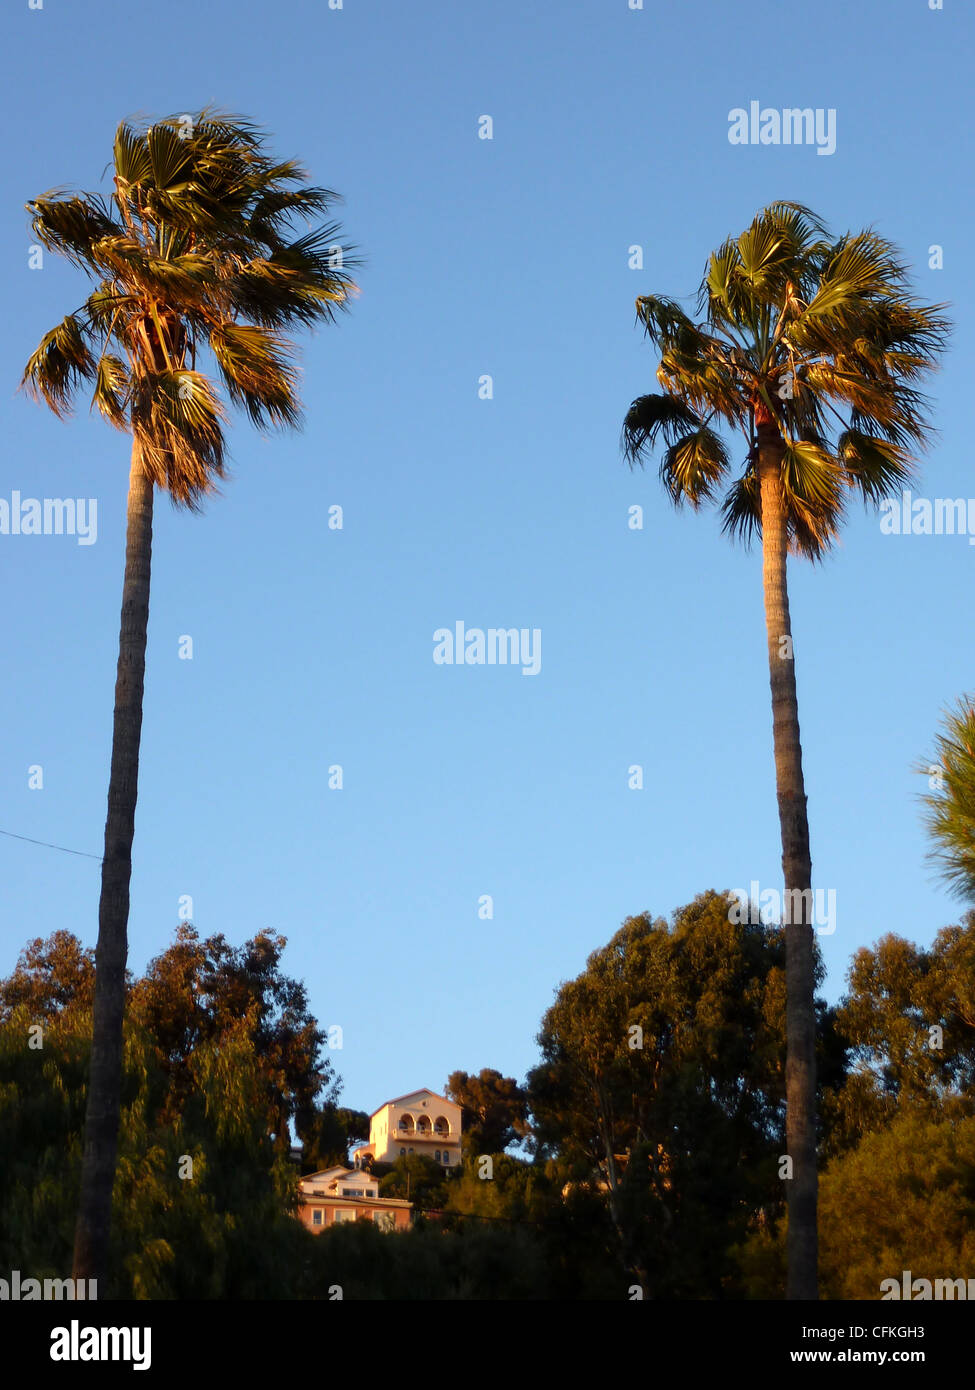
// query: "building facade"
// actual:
[[345, 1194], [421, 1122]]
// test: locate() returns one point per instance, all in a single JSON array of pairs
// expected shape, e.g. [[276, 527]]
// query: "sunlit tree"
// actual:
[[810, 349], [197, 250]]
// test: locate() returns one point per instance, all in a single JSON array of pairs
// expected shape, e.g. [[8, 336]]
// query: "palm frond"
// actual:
[[812, 485], [70, 226], [133, 164], [200, 246], [60, 363], [177, 420], [258, 375], [741, 508], [650, 418], [693, 465], [950, 816], [877, 467], [111, 390]]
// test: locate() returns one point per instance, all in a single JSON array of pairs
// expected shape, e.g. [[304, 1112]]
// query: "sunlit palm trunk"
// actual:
[[104, 1085], [800, 1072]]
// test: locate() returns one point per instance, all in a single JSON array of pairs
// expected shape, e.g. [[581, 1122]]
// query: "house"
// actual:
[[421, 1122], [345, 1194]]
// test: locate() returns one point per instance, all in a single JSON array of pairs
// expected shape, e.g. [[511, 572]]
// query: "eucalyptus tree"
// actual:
[[810, 348], [206, 244]]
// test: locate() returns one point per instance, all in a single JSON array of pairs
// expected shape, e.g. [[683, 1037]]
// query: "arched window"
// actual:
[[423, 1125], [437, 1155], [406, 1124], [441, 1126]]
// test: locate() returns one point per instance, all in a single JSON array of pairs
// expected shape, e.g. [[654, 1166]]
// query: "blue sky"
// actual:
[[314, 647]]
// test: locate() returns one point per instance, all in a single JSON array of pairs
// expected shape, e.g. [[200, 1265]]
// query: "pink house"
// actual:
[[348, 1194]]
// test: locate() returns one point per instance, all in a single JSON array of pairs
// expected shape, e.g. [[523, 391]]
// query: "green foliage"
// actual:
[[909, 1021], [418, 1179], [329, 1135], [221, 1056], [821, 339], [902, 1199], [655, 1164], [951, 803], [495, 1110], [661, 1084], [475, 1262], [196, 250]]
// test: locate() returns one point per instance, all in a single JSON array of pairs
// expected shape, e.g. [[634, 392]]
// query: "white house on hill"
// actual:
[[421, 1123]]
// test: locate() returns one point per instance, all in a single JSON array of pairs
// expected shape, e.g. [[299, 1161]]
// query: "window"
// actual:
[[402, 1153], [441, 1126], [351, 1192], [437, 1155], [446, 1159], [316, 1217], [385, 1220], [344, 1214]]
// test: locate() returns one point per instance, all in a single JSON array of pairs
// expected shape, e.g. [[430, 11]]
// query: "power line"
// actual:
[[47, 845]]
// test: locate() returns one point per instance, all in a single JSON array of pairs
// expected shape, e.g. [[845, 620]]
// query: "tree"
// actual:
[[415, 1178], [494, 1109], [810, 348], [661, 1083], [951, 802], [328, 1136], [909, 1020], [902, 1200], [220, 1058], [195, 248], [48, 977]]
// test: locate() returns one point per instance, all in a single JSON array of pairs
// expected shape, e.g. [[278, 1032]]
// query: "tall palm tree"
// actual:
[[195, 248], [950, 804], [810, 348]]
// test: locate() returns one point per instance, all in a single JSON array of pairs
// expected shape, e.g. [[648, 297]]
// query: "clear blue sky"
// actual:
[[314, 647]]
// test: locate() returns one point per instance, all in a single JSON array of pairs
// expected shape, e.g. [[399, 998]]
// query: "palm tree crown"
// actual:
[[196, 247], [820, 340]]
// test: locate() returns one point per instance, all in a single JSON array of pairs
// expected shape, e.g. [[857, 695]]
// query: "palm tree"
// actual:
[[951, 803], [810, 348], [195, 248]]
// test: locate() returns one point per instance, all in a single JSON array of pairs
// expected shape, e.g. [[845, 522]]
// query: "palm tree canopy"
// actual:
[[951, 804], [821, 340], [197, 247]]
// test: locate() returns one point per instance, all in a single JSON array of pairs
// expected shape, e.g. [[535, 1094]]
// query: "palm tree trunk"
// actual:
[[105, 1075], [800, 1068]]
